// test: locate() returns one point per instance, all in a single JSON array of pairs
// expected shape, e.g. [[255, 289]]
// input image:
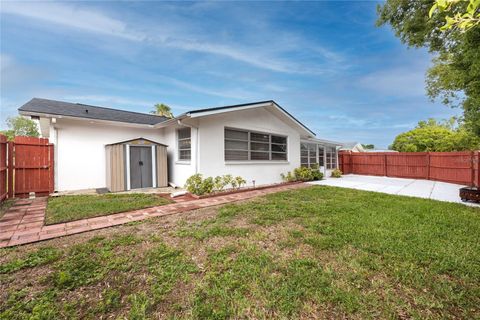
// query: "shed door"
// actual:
[[140, 167]]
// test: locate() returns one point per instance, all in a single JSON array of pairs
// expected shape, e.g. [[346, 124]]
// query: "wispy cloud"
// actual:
[[95, 21], [71, 16]]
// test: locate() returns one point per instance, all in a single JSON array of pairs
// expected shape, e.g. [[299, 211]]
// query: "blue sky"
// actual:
[[325, 62]]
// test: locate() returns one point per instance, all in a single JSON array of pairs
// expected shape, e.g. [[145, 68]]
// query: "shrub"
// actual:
[[303, 174], [199, 186], [219, 183], [289, 177], [336, 173], [194, 184], [207, 185], [240, 181]]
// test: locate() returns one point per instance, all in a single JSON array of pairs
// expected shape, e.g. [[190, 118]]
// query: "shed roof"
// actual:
[[140, 138]]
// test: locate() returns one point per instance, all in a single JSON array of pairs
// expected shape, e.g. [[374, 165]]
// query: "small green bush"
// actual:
[[239, 181], [194, 184], [199, 186], [303, 174], [336, 173]]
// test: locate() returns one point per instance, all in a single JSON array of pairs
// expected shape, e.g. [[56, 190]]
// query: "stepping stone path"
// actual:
[[24, 222]]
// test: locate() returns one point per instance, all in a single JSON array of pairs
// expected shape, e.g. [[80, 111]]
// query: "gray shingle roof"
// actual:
[[79, 110]]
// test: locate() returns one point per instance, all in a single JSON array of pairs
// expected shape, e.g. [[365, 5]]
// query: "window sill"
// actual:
[[247, 162], [183, 162]]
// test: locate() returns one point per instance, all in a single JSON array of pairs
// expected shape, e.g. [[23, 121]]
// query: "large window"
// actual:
[[308, 154], [184, 144], [245, 145], [321, 155], [331, 157]]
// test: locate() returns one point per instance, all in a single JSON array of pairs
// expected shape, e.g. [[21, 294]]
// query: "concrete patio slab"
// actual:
[[428, 189]]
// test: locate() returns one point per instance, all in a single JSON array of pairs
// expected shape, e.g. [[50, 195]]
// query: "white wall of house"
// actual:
[[179, 171], [80, 150], [211, 140]]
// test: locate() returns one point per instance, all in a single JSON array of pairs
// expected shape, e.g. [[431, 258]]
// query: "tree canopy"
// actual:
[[433, 135], [455, 75], [162, 110], [463, 20], [20, 126]]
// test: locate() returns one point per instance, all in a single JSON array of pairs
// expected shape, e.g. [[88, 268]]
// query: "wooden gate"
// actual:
[[3, 167], [30, 167]]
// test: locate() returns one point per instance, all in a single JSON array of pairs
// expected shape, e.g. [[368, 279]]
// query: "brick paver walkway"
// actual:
[[24, 222]]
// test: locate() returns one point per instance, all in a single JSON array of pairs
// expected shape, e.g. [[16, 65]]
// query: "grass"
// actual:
[[70, 208], [320, 252], [4, 206]]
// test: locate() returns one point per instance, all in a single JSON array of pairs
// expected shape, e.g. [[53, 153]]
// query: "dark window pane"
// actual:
[[279, 147], [184, 155], [236, 155], [303, 146], [254, 146], [259, 156], [236, 134], [304, 160], [184, 144], [184, 133], [238, 145], [279, 156], [260, 137], [313, 160], [280, 140]]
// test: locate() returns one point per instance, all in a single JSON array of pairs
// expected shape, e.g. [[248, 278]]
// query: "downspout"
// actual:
[[197, 153]]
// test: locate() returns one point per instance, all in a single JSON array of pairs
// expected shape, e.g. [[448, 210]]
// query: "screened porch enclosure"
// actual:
[[321, 155]]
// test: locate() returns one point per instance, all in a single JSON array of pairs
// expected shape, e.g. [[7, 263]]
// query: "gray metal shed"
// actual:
[[136, 163]]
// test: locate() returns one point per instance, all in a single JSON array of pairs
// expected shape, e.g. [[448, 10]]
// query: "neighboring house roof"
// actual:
[[380, 150], [352, 146], [324, 142], [78, 110]]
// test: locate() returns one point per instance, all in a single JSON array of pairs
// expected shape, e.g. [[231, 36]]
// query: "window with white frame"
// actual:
[[184, 142], [308, 155], [321, 154], [242, 145], [331, 157]]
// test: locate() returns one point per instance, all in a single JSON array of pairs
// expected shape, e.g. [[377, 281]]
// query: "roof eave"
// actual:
[[92, 120]]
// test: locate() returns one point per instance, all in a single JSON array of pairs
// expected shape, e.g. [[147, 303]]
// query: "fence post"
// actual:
[[428, 165], [475, 169], [477, 165], [385, 170], [51, 168], [11, 169]]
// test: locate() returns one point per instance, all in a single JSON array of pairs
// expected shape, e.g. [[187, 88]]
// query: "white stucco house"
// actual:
[[257, 141]]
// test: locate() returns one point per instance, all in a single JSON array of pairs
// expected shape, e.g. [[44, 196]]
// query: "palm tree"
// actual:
[[162, 110]]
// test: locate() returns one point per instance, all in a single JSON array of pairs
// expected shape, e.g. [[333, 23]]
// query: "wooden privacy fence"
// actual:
[[26, 165], [454, 167], [3, 167]]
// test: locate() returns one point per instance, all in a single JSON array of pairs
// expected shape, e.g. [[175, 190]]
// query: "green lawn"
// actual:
[[320, 252], [4, 206], [70, 208]]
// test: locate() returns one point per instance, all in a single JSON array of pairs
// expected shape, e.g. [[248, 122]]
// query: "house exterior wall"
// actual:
[[211, 141], [179, 171], [80, 150]]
